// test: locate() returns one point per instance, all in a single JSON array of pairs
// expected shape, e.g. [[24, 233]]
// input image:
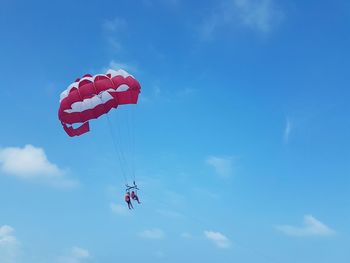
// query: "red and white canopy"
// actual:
[[92, 96]]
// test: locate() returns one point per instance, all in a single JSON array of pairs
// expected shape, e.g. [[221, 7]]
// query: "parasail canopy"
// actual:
[[92, 96]]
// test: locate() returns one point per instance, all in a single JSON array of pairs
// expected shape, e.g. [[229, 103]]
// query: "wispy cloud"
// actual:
[[287, 130], [223, 166], [259, 15], [113, 29], [114, 43], [9, 245], [160, 92], [115, 65], [219, 239], [76, 255], [119, 209], [32, 163], [132, 69], [154, 93], [154, 233], [311, 227], [114, 25], [6, 236]]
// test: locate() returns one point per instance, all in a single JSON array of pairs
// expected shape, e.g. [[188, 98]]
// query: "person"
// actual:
[[128, 200], [135, 197]]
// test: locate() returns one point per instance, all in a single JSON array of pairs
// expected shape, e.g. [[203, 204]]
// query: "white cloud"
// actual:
[[80, 253], [218, 238], [259, 15], [119, 65], [154, 233], [9, 245], [31, 162], [6, 236], [119, 209], [311, 227], [223, 165], [76, 255], [26, 162]]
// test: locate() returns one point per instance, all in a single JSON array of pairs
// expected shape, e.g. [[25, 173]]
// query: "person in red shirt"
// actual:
[[135, 197], [128, 200]]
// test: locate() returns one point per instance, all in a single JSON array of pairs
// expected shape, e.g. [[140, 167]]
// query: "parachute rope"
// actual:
[[131, 138], [133, 143], [129, 133], [116, 147], [123, 148]]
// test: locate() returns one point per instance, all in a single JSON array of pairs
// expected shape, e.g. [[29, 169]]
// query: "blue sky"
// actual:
[[241, 132]]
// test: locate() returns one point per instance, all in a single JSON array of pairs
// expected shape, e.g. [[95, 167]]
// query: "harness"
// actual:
[[132, 187]]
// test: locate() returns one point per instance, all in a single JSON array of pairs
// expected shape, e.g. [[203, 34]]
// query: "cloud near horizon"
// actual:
[[311, 227]]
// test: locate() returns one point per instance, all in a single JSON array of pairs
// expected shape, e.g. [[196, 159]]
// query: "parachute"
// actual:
[[92, 96], [89, 98]]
